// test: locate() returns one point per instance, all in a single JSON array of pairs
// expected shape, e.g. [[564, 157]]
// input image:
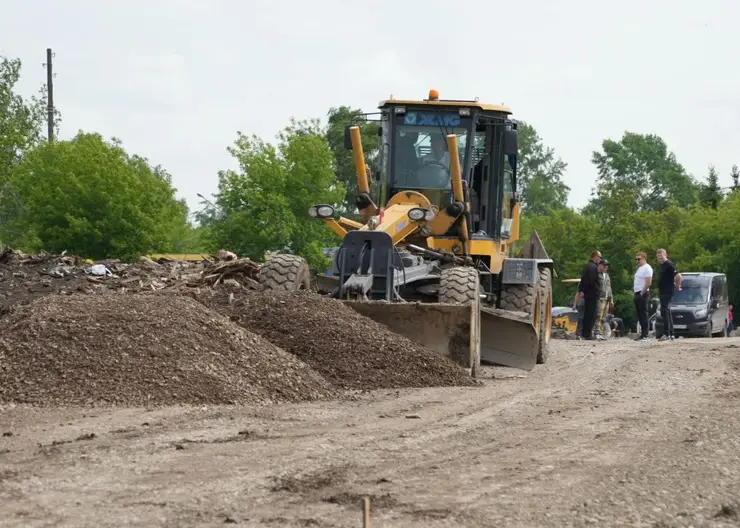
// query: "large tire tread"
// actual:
[[518, 297], [285, 272], [522, 298], [545, 286], [459, 285]]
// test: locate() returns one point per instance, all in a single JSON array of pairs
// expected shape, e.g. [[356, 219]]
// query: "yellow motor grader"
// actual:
[[433, 261]]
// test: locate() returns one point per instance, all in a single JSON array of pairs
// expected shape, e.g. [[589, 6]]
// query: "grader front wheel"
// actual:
[[459, 286], [285, 272]]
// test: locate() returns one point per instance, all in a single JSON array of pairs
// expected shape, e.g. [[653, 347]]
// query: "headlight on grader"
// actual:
[[325, 211], [417, 214], [321, 211]]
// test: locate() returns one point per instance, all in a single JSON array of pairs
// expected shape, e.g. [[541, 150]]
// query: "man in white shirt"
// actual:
[[641, 288]]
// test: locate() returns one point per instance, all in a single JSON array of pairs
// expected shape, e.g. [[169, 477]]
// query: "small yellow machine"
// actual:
[[431, 254], [566, 318]]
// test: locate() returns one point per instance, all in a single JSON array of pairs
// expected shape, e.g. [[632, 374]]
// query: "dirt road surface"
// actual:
[[606, 434]]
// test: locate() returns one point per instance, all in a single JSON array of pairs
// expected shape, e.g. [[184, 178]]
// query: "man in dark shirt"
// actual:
[[668, 279], [589, 289]]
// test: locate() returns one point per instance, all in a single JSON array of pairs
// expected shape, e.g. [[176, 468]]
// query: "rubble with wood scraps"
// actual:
[[25, 277]]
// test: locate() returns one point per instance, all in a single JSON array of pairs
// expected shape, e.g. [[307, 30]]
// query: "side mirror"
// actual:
[[511, 142], [380, 131], [347, 137], [715, 304]]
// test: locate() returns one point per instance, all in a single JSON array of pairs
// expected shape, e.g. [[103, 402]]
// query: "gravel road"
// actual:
[[606, 434]]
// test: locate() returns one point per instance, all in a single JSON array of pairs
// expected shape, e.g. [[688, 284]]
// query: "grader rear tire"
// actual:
[[459, 286], [545, 286], [285, 272], [536, 300]]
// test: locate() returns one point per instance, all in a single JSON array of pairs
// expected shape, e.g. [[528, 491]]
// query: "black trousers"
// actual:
[[641, 305], [665, 313], [590, 306]]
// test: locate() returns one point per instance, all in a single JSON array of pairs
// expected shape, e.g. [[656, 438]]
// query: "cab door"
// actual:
[[719, 304]]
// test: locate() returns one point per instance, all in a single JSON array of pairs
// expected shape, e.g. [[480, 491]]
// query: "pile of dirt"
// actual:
[[24, 278], [348, 349], [142, 350]]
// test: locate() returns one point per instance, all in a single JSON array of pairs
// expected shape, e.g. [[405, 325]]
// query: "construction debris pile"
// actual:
[[24, 278], [74, 332]]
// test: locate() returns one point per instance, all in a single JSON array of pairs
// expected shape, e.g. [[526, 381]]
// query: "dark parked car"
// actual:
[[700, 309]]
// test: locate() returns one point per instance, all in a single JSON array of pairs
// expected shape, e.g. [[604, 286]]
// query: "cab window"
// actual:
[[420, 159], [508, 199]]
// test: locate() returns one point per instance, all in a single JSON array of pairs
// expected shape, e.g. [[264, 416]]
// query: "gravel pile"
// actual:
[[348, 349], [142, 350]]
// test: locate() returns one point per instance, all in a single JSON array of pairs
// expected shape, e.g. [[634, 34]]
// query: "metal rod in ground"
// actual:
[[49, 94], [366, 512]]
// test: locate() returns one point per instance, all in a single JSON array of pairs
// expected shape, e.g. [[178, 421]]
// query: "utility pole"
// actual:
[[50, 95]]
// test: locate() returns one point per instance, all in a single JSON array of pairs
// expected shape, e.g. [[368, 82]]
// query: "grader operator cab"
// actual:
[[431, 255]]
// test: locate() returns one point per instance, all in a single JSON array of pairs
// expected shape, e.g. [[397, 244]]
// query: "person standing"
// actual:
[[641, 287], [578, 307], [589, 290], [605, 298], [730, 319], [668, 280]]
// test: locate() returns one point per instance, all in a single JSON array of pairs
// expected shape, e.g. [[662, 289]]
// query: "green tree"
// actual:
[[710, 193], [21, 128], [707, 241], [264, 205], [540, 174], [205, 220], [569, 238], [640, 169], [344, 167], [90, 197], [21, 120]]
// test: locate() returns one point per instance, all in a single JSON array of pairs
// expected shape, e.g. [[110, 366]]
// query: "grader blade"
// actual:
[[508, 339], [465, 334], [448, 329], [326, 283]]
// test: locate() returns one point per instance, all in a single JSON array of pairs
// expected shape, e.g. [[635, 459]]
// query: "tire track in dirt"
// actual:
[[603, 437], [620, 414]]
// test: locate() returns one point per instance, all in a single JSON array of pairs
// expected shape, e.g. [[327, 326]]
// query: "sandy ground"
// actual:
[[606, 434]]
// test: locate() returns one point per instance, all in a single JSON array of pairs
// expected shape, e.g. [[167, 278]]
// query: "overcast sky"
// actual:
[[175, 80]]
